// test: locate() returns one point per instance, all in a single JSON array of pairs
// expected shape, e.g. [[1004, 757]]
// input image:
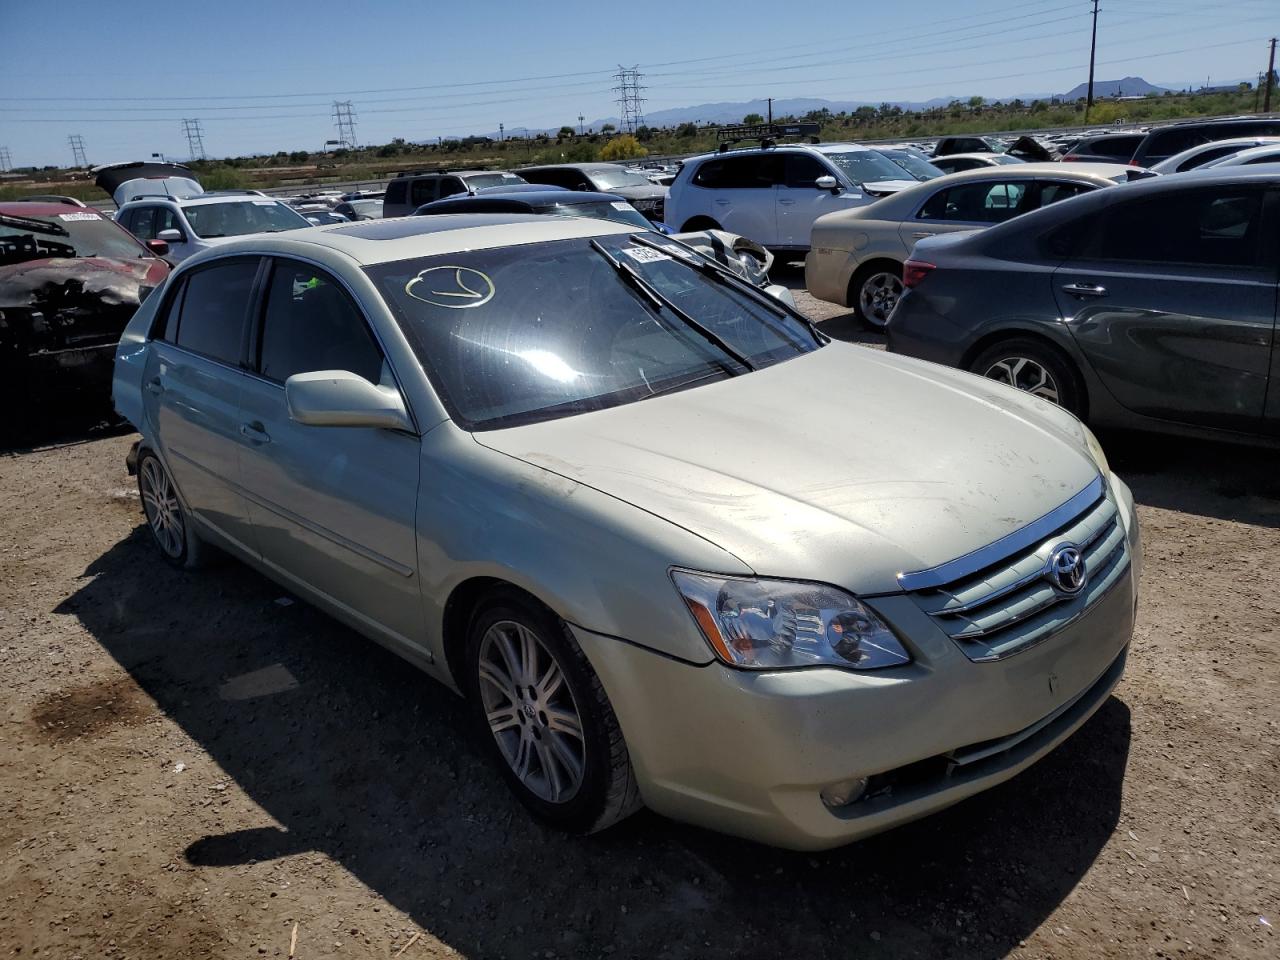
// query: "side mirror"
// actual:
[[171, 236], [340, 398], [827, 182], [158, 247]]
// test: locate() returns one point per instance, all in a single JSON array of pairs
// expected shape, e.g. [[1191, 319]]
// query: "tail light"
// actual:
[[914, 272], [1070, 156]]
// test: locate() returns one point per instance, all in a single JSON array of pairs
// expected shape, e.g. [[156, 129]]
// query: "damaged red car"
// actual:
[[70, 279]]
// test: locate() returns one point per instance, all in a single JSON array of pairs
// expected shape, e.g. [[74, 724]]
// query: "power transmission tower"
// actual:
[[6, 163], [344, 118], [580, 119], [1271, 72], [1093, 52], [195, 138], [77, 149], [629, 99]]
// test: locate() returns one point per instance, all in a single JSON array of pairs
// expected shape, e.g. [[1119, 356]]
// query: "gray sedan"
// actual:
[[1152, 305], [673, 545], [855, 257]]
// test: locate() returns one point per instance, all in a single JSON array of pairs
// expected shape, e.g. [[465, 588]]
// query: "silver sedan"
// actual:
[[673, 545]]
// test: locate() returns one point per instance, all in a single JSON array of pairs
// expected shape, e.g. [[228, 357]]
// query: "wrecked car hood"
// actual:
[[1032, 150], [126, 181], [845, 465]]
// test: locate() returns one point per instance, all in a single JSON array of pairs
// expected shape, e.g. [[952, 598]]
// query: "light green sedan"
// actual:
[[672, 545]]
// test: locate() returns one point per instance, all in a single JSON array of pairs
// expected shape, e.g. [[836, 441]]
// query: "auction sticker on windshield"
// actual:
[[644, 254], [78, 216]]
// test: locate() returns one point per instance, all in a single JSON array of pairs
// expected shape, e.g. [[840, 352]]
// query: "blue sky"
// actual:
[[261, 76]]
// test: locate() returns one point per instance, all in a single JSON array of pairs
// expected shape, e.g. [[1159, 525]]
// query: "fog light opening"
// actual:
[[844, 793]]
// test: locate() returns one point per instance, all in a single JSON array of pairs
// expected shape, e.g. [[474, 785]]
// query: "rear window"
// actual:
[[395, 191], [237, 218], [1165, 143]]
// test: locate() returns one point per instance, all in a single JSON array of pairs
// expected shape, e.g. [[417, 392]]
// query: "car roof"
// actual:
[[369, 242], [533, 197], [1048, 168], [975, 155], [28, 208], [593, 165]]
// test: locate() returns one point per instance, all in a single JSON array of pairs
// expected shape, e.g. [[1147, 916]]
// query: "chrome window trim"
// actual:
[[1019, 539]]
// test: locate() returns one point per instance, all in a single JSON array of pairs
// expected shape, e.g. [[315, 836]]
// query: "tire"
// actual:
[[171, 528], [874, 291], [699, 223], [1035, 368], [583, 782]]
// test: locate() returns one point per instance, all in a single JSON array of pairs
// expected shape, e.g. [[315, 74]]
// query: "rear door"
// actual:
[[969, 206], [744, 199], [1172, 299], [333, 508], [799, 201], [192, 389]]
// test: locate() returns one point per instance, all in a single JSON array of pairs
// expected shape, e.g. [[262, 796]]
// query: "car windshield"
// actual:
[[235, 218], [864, 166], [914, 164], [618, 211], [481, 180], [70, 234], [367, 208], [617, 179], [1005, 158], [541, 331]]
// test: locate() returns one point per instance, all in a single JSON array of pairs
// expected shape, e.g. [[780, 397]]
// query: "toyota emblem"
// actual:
[[1066, 569]]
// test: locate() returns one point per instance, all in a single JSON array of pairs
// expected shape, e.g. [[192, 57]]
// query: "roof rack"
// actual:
[[767, 133], [53, 198], [420, 173]]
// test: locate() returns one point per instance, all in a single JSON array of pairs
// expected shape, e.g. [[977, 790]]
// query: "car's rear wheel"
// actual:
[[1034, 368], [167, 519], [875, 291], [542, 710]]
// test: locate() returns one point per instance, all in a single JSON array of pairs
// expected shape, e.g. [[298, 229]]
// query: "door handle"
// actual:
[[723, 202], [1084, 289], [254, 432], [786, 203], [155, 386], [921, 234]]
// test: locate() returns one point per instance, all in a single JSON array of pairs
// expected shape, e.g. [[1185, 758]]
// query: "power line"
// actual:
[[344, 118], [629, 99], [195, 138], [77, 149]]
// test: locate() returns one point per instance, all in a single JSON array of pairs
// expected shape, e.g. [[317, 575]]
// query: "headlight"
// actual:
[[775, 624], [753, 269], [1095, 451]]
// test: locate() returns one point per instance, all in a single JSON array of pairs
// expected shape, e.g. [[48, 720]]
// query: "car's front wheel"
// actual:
[[544, 713], [876, 290], [1034, 368]]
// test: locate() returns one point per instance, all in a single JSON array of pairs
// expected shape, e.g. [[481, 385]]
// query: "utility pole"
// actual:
[[195, 138], [502, 133], [1271, 72], [77, 149], [1093, 52], [344, 118], [770, 111], [1257, 92], [580, 119]]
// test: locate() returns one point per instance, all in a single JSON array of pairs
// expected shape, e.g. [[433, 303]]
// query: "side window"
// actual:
[[752, 172], [423, 191], [979, 202], [166, 324], [449, 186], [214, 304], [1264, 158], [143, 223], [311, 324], [167, 219], [802, 170], [557, 178], [1206, 156], [1053, 192], [1201, 227], [709, 174], [396, 190]]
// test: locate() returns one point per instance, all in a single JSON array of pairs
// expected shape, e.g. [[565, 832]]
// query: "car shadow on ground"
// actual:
[[1220, 480], [362, 758]]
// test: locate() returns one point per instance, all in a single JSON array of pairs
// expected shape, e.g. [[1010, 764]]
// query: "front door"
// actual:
[[192, 391], [332, 507], [1173, 302]]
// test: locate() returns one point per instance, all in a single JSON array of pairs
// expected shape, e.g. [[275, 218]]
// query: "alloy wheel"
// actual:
[[160, 503], [531, 712], [1025, 374], [879, 295]]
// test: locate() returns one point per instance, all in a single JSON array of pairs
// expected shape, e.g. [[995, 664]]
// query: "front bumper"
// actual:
[[749, 753]]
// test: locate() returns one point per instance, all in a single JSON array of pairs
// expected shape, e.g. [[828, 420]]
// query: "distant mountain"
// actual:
[[1128, 87]]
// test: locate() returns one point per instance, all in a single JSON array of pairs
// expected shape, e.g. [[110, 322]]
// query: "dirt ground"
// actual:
[[190, 768]]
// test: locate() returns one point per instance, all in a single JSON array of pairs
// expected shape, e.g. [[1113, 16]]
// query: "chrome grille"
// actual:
[[1013, 604]]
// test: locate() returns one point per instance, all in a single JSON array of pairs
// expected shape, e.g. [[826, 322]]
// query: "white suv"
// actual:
[[772, 195], [192, 224]]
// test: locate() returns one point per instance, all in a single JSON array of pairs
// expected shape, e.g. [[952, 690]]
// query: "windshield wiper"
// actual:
[[35, 226], [723, 275], [632, 278]]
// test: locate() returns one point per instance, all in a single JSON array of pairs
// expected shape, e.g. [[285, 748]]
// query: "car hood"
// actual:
[[882, 188], [654, 192], [846, 466], [106, 280]]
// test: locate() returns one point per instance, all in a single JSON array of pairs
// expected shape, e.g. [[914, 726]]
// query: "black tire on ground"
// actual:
[[192, 552], [1035, 367], [608, 791], [699, 223], [864, 274]]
